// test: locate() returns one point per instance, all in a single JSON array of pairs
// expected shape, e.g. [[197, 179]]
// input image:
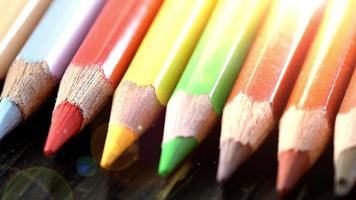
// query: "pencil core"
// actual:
[[119, 138], [67, 120], [174, 152], [232, 155], [10, 116], [345, 172], [291, 167]]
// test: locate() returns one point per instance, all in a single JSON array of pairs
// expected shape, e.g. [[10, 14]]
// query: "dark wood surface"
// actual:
[[25, 173]]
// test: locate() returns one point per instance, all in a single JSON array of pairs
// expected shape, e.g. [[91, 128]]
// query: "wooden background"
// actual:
[[25, 173]]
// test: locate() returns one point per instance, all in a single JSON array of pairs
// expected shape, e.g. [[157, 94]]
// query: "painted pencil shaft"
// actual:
[[98, 65], [67, 32], [13, 9], [345, 142], [307, 122], [203, 88], [43, 59], [18, 19], [154, 72], [263, 86]]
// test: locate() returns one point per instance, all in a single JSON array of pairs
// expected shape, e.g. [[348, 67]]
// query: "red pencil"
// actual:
[[98, 66]]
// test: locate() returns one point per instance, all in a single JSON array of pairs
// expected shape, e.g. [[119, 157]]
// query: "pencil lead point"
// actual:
[[49, 152], [174, 152], [66, 122], [10, 116], [118, 139], [232, 155], [343, 186], [292, 166], [345, 176]]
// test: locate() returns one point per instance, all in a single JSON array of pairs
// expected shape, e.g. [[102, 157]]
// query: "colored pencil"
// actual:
[[307, 122], [18, 19], [205, 84], [345, 142], [264, 84], [43, 59], [154, 72], [98, 66]]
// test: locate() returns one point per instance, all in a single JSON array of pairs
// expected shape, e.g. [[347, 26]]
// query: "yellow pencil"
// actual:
[[154, 72], [17, 20]]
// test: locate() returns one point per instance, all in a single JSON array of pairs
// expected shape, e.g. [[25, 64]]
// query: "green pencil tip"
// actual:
[[173, 153]]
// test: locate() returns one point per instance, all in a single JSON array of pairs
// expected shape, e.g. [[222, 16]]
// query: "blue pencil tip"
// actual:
[[10, 116]]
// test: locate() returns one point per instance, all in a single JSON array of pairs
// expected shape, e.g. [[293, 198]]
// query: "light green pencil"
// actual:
[[199, 97]]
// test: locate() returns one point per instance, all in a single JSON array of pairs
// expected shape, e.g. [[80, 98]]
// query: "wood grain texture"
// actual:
[[28, 85], [136, 107], [90, 92], [254, 180], [189, 116]]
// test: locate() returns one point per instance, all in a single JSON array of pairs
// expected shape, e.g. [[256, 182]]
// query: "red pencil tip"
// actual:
[[48, 152], [66, 122], [292, 166]]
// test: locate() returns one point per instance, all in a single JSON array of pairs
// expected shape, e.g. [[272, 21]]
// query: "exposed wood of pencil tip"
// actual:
[[135, 107], [345, 132], [245, 125], [246, 121], [28, 84], [85, 87], [189, 116], [305, 131]]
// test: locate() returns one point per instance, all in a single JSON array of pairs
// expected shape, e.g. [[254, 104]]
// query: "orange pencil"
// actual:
[[307, 122], [266, 80], [98, 66]]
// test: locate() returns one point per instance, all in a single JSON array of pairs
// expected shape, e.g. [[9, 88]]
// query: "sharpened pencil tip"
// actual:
[[232, 155], [163, 172], [10, 116], [106, 163], [174, 152], [291, 167], [345, 172], [48, 152], [66, 122], [118, 139]]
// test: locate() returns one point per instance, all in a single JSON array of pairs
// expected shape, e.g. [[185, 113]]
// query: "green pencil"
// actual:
[[199, 97]]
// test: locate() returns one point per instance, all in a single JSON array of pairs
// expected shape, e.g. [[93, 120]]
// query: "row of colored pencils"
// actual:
[[297, 60]]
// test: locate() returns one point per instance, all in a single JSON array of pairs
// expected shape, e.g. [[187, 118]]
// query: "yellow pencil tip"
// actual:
[[118, 139]]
